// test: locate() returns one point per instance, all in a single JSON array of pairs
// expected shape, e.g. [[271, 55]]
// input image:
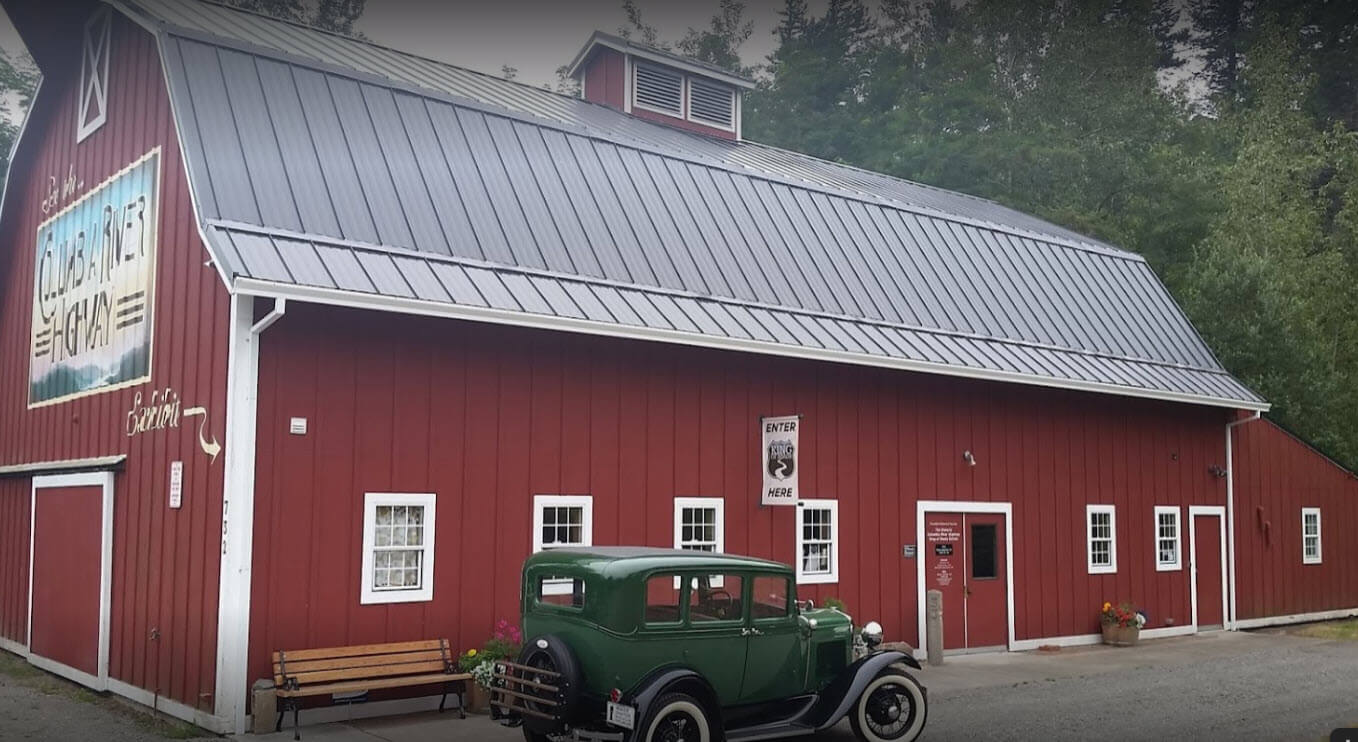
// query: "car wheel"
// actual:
[[891, 709], [677, 717], [554, 658]]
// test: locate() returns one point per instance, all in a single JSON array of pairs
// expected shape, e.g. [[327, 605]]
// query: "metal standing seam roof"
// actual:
[[332, 167]]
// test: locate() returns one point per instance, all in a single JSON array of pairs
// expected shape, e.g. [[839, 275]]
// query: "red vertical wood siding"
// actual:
[[604, 81], [487, 417], [165, 561], [1276, 476], [15, 506]]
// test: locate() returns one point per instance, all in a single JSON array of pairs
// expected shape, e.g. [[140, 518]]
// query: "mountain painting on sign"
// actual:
[[94, 274]]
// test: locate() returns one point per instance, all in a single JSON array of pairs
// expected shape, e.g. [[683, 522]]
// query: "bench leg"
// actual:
[[278, 726], [296, 732], [444, 697], [462, 699]]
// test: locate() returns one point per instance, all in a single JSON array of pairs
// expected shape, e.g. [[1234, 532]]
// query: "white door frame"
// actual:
[[1219, 512], [103, 480], [958, 506]]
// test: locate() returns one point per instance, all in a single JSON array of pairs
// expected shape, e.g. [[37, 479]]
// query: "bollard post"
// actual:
[[934, 626]]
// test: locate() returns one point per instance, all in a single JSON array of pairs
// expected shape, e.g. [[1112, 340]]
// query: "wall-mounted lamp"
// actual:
[[969, 458], [1216, 471]]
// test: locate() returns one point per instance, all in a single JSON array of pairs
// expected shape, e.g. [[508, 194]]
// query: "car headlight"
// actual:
[[872, 633]]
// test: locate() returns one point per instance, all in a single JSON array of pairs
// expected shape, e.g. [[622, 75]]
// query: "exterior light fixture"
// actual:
[[969, 458]]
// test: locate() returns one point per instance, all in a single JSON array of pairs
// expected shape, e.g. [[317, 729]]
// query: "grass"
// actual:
[[15, 671], [1346, 629]]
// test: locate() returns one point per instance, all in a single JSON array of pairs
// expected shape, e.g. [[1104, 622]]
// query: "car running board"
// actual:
[[775, 730]]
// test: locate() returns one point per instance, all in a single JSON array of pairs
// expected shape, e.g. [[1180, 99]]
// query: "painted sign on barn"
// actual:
[[94, 277], [780, 448]]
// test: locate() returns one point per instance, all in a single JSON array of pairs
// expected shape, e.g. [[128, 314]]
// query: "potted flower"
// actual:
[[504, 643], [1121, 624]]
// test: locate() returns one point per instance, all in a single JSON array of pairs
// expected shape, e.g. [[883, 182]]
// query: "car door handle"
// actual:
[[751, 632]]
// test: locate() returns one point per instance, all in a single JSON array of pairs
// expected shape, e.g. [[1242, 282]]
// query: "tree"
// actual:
[[338, 16], [18, 80]]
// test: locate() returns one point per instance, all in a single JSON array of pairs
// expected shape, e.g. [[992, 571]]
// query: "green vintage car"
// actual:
[[660, 645]]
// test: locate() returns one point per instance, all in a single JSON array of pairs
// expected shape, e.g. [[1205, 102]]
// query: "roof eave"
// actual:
[[404, 305]]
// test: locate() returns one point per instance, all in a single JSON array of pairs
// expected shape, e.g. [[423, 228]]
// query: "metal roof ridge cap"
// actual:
[[662, 290], [622, 140], [262, 287]]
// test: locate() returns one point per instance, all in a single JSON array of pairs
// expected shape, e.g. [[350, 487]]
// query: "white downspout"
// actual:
[[1230, 513]]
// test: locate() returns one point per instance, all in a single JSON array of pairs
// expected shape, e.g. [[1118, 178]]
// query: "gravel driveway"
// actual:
[[1229, 687]]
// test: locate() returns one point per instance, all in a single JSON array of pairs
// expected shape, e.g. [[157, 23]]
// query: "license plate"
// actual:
[[620, 715]]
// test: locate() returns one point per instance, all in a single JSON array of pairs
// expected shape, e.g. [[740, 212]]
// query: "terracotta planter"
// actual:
[[1120, 636], [478, 698]]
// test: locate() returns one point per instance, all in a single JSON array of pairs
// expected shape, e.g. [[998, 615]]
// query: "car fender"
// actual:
[[840, 695], [662, 680]]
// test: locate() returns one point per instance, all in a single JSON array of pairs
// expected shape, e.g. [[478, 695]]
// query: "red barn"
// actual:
[[308, 341]]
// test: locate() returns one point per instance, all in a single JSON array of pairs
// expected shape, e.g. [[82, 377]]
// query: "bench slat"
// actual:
[[362, 673], [358, 650], [328, 688], [371, 660]]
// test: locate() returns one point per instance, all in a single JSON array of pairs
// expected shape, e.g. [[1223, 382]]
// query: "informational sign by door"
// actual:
[[176, 484], [779, 454]]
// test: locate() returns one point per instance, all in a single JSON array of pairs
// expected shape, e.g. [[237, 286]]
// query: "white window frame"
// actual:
[[683, 90], [1319, 556], [735, 106], [1112, 566], [542, 502], [1177, 563], [368, 594], [685, 95], [94, 64], [818, 578], [718, 506]]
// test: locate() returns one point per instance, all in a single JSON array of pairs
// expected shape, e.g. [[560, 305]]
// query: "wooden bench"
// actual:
[[319, 672]]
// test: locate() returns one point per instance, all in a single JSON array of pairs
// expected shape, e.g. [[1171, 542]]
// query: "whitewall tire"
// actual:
[[678, 718], [892, 708]]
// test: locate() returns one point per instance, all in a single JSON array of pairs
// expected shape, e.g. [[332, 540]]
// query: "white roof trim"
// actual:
[[402, 305], [63, 465]]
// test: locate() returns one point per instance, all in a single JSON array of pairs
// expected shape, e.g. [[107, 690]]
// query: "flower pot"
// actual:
[[478, 698], [1120, 636]]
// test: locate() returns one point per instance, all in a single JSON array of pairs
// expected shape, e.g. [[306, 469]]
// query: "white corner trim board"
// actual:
[[1259, 623]]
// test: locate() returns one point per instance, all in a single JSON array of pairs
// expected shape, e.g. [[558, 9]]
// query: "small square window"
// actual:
[[817, 541], [398, 548], [1310, 536], [1101, 539], [1167, 539], [561, 521]]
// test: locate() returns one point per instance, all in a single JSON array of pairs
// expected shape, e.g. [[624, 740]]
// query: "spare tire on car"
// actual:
[[543, 684]]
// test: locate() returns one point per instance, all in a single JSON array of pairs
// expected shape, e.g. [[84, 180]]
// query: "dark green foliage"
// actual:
[[1215, 137]]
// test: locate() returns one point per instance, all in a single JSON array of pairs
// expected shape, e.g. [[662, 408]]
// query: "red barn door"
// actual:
[[1207, 534], [964, 555], [69, 576]]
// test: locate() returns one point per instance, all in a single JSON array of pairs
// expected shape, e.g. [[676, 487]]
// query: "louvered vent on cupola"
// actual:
[[660, 86]]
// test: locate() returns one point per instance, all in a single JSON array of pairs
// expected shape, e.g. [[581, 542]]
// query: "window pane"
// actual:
[[983, 556], [714, 598], [566, 592], [662, 599], [770, 596]]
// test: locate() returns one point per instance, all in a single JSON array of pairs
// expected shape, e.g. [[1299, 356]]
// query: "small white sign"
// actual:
[[779, 459], [297, 426], [176, 484]]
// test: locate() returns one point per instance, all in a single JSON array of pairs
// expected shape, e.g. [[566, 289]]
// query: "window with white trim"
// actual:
[[93, 109], [711, 103], [691, 97], [1101, 539], [1310, 536], [398, 548], [817, 541], [559, 521], [698, 523], [562, 520], [1167, 539], [658, 89]]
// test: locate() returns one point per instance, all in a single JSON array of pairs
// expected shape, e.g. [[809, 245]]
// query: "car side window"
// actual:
[[662, 599], [769, 597], [714, 598], [562, 592]]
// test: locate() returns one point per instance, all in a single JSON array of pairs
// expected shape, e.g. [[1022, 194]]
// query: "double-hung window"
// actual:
[[398, 548], [1310, 536], [562, 520], [698, 523], [817, 541], [1167, 539], [1101, 539]]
